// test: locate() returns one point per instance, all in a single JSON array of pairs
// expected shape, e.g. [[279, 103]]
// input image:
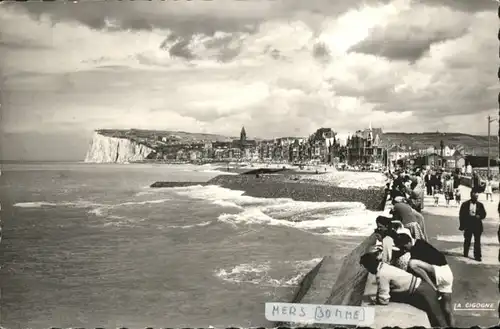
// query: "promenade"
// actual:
[[473, 281]]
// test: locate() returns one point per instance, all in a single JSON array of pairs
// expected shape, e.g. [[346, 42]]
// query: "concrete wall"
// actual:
[[352, 286]]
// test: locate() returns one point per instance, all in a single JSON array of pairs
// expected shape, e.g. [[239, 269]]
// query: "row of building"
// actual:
[[365, 146], [322, 146]]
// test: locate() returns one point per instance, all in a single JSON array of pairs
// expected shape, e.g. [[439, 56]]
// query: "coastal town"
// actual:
[[366, 149]]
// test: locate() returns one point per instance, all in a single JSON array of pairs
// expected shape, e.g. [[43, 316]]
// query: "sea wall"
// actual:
[[283, 186], [105, 149], [353, 287]]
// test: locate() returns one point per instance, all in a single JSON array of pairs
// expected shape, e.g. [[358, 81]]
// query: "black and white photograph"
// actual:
[[258, 163]]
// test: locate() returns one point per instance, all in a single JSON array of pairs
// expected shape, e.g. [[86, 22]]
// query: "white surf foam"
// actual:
[[191, 226], [258, 274], [139, 203], [34, 204], [228, 204], [40, 204], [485, 240], [86, 204], [220, 172], [332, 218]]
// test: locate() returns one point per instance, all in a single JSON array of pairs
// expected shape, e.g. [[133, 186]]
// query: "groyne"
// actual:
[[284, 186], [281, 186]]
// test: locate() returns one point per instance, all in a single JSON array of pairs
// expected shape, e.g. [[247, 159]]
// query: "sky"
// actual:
[[280, 68]]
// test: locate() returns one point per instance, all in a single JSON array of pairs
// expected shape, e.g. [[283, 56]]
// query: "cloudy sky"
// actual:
[[282, 67]]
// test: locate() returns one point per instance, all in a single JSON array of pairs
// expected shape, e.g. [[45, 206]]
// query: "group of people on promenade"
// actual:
[[407, 267]]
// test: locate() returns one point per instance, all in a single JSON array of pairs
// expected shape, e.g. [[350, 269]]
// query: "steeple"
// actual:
[[243, 135]]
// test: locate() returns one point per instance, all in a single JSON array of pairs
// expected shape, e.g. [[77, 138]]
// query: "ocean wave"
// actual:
[[140, 203], [191, 226], [86, 204], [258, 274], [220, 172], [34, 204], [40, 204], [227, 204], [331, 218]]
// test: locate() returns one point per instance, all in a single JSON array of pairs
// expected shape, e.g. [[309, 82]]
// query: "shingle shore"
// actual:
[[285, 186]]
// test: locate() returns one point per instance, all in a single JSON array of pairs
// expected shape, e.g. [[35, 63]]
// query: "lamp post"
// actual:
[[490, 120]]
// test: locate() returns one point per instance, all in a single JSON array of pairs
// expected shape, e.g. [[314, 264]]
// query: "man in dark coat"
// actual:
[[471, 217], [428, 183]]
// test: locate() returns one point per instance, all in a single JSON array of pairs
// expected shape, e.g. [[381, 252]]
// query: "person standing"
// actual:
[[448, 190], [456, 179], [438, 181], [471, 217], [428, 182], [488, 190], [476, 183], [415, 193], [411, 219]]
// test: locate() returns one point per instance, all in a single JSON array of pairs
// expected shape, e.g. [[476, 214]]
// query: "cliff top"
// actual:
[[180, 136]]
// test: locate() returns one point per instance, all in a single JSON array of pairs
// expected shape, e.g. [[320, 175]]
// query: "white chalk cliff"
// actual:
[[117, 150]]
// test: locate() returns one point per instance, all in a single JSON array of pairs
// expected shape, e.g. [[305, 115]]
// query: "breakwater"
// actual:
[[283, 186]]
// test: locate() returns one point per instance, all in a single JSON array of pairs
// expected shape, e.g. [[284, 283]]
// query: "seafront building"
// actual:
[[366, 147], [321, 146]]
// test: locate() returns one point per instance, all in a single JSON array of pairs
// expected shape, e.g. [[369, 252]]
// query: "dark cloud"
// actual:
[[180, 49], [178, 46], [94, 14], [184, 19], [325, 7], [409, 46], [321, 52], [464, 5], [399, 50]]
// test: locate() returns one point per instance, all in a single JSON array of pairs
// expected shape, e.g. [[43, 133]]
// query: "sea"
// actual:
[[91, 245]]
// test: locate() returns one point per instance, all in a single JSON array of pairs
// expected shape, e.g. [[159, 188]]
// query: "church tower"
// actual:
[[243, 135]]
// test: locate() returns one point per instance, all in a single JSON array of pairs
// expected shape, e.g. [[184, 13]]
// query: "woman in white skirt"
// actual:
[[488, 190]]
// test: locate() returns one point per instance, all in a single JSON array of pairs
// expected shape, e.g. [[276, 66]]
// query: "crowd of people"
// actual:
[[407, 267]]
